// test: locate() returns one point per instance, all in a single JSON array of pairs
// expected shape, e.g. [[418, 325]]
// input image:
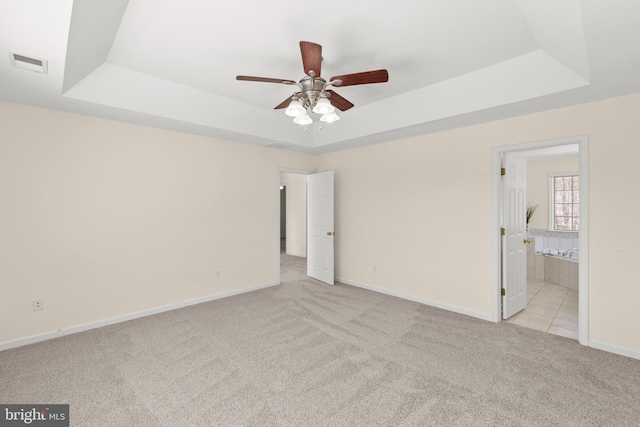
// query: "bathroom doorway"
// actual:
[[545, 290]]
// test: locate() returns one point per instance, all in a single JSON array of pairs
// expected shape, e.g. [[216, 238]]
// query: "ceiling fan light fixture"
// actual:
[[323, 106], [303, 120], [313, 94], [295, 109], [330, 117]]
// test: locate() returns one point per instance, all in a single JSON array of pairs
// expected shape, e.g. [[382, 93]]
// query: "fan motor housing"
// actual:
[[312, 87]]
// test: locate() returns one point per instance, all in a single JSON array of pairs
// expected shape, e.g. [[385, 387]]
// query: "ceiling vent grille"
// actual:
[[277, 145], [28, 63]]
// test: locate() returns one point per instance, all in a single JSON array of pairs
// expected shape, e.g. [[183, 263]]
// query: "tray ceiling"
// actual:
[[172, 64]]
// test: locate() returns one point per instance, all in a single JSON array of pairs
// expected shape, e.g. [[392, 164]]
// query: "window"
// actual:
[[564, 203]]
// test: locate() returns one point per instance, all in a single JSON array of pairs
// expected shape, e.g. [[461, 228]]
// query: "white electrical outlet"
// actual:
[[38, 304], [375, 268], [218, 274]]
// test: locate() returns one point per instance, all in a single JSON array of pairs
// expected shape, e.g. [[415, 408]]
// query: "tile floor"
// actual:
[[550, 308]]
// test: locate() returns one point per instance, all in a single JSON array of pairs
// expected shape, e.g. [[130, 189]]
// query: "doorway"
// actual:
[[549, 146], [292, 233], [283, 218], [310, 221]]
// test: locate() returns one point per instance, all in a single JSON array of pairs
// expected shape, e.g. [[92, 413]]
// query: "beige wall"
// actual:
[[102, 219], [538, 185], [420, 210]]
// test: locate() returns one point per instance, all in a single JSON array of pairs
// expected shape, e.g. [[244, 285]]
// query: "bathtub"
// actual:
[[573, 258], [557, 253], [561, 270]]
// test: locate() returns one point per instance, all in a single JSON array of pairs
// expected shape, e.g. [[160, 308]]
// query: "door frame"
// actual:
[[280, 171], [496, 201]]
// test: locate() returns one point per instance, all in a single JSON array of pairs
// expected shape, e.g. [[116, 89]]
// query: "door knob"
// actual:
[[330, 233], [527, 240]]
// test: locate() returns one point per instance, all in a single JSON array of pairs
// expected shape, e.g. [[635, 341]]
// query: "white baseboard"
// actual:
[[298, 254], [124, 318], [612, 348], [483, 316]]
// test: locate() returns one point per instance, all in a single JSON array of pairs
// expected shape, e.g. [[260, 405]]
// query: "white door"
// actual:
[[514, 254], [320, 226]]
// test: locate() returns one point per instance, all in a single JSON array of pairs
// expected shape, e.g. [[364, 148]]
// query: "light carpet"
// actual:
[[307, 354]]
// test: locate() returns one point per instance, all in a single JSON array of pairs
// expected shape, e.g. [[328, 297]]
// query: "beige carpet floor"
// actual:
[[308, 354]]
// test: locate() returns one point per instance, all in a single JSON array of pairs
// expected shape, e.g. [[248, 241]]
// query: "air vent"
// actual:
[[28, 63], [278, 146]]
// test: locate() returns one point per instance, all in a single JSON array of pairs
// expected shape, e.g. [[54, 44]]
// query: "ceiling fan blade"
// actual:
[[266, 80], [283, 104], [311, 57], [377, 76], [339, 102]]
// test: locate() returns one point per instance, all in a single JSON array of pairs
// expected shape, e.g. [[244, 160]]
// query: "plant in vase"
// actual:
[[530, 212]]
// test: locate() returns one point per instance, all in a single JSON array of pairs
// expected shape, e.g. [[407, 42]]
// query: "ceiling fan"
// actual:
[[313, 94]]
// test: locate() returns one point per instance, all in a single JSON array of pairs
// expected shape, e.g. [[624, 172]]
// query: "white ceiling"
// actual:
[[172, 64]]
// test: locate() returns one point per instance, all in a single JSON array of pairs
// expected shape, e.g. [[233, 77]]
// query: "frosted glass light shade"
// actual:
[[329, 117], [303, 120], [295, 109], [323, 106]]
